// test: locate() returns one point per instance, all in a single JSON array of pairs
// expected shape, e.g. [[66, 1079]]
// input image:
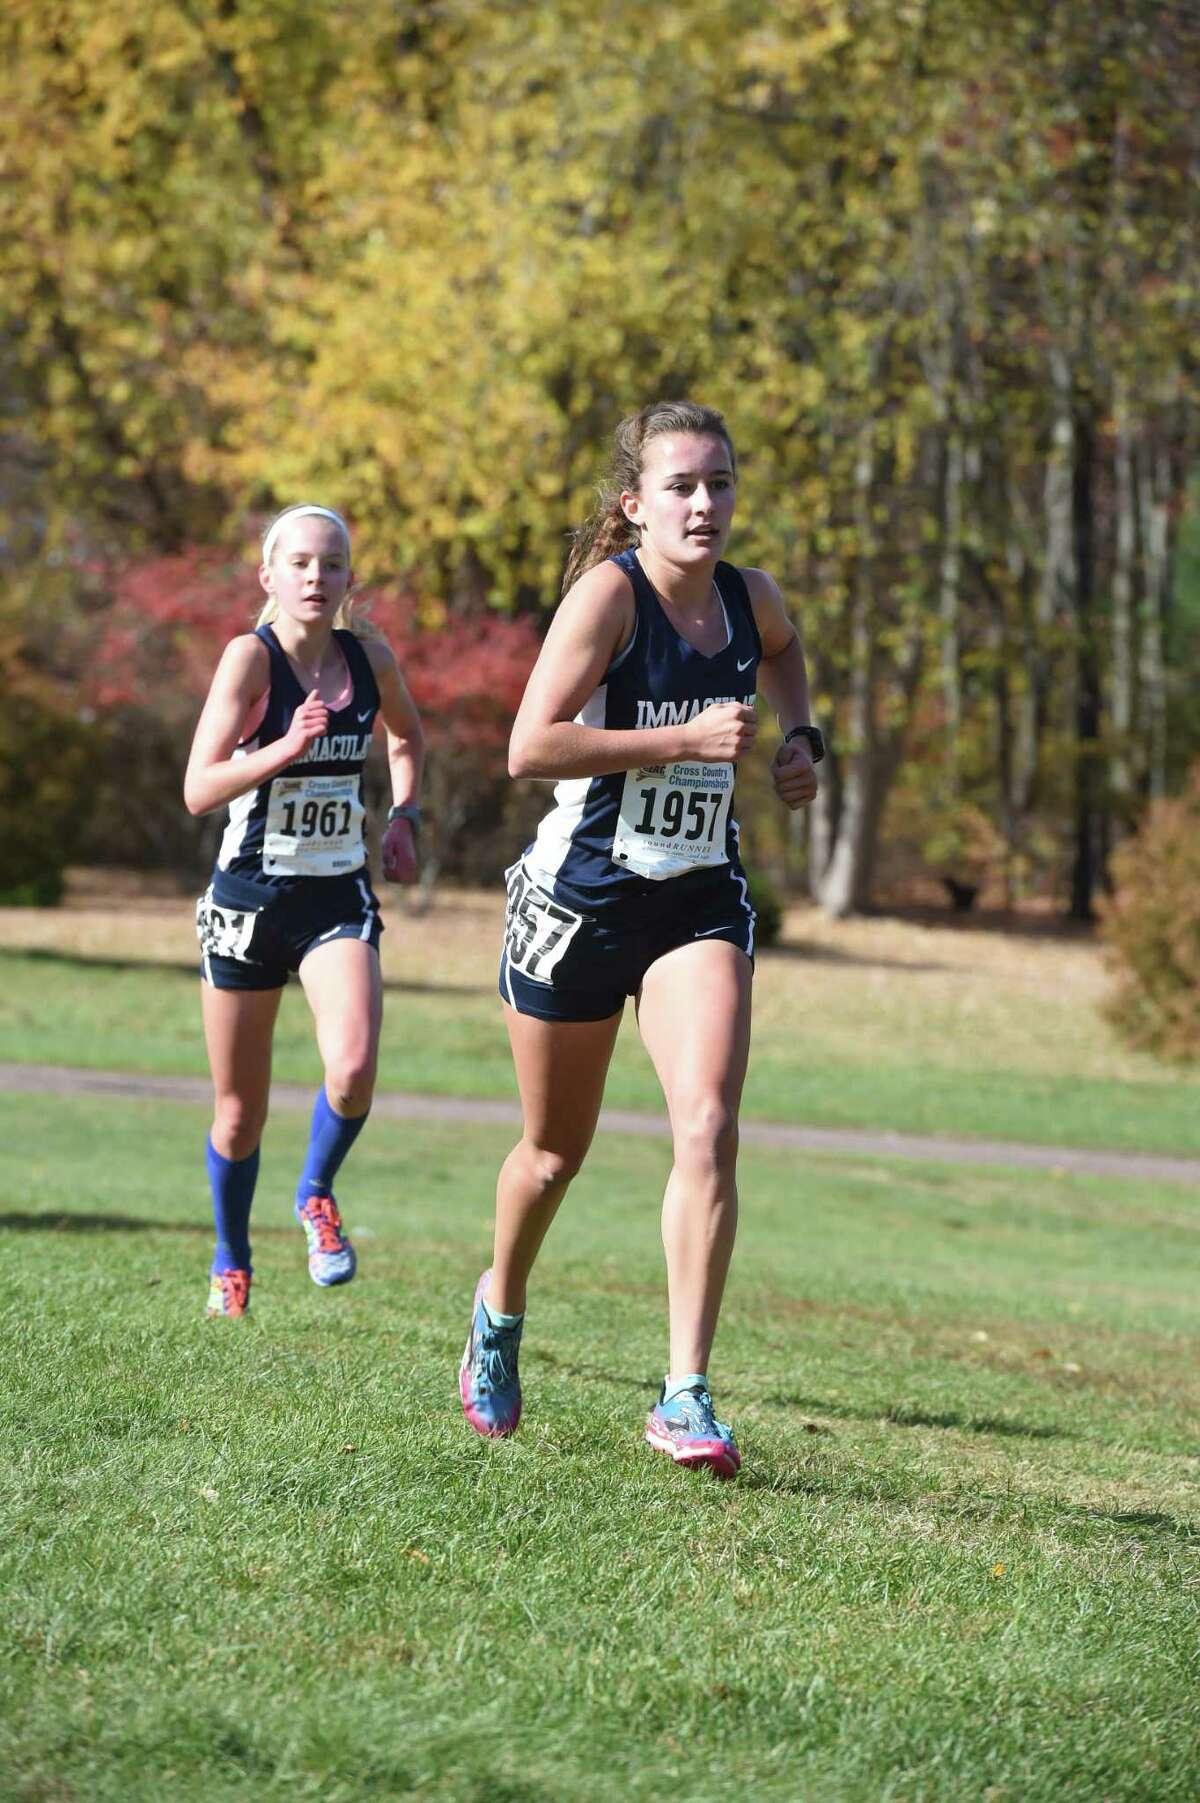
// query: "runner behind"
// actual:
[[281, 742]]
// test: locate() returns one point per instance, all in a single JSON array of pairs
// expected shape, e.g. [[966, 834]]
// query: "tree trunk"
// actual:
[[823, 819], [1121, 709], [1154, 494], [868, 753], [949, 599], [1058, 575], [843, 885], [1087, 865]]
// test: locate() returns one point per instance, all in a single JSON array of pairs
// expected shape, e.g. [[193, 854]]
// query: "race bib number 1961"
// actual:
[[673, 818], [224, 932], [314, 826]]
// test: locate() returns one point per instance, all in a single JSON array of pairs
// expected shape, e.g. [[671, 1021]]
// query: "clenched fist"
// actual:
[[722, 733], [793, 774], [400, 852], [309, 723]]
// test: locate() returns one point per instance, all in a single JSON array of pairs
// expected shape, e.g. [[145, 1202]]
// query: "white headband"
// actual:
[[299, 513]]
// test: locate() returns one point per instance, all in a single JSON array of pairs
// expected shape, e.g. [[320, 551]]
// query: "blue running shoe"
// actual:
[[487, 1378], [331, 1257], [687, 1430]]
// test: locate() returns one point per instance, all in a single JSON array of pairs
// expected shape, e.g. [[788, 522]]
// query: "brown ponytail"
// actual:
[[602, 535], [608, 530]]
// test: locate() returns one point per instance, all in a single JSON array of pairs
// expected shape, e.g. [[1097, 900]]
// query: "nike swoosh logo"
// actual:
[[709, 931], [746, 665], [365, 716]]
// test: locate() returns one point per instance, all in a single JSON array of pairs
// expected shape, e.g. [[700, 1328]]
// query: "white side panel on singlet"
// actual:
[[240, 810], [549, 850]]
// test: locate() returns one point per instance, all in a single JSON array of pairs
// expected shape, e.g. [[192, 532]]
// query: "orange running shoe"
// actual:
[[229, 1293], [331, 1257]]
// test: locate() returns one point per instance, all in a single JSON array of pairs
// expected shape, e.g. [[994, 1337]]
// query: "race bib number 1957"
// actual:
[[673, 818], [537, 929]]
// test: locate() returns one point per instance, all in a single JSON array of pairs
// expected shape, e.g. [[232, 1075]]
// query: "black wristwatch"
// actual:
[[816, 744], [405, 810]]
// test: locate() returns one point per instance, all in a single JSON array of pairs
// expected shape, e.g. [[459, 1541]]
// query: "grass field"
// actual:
[[888, 1024], [268, 1560]]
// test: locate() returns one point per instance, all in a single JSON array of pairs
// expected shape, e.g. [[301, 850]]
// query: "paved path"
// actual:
[[39, 1079]]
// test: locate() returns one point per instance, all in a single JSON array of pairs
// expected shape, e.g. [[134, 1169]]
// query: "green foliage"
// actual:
[[45, 793], [1152, 925], [764, 899], [420, 263]]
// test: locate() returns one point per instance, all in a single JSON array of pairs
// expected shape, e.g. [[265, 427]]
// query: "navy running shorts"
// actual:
[[254, 935], [558, 964]]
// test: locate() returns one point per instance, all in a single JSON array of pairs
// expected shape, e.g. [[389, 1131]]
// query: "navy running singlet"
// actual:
[[613, 838], [308, 820]]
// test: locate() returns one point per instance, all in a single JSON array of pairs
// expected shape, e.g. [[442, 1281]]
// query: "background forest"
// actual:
[[935, 259]]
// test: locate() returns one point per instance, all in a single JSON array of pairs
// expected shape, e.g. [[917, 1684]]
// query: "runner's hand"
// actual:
[[722, 733], [400, 852], [309, 723], [793, 774]]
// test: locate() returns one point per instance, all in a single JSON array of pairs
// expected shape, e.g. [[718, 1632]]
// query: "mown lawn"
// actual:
[[268, 1559], [875, 1024]]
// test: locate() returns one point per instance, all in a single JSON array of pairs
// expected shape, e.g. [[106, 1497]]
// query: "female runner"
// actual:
[[640, 706], [282, 741]]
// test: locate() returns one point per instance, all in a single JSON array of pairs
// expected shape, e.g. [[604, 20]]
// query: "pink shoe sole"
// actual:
[[472, 1414], [476, 1419], [722, 1460]]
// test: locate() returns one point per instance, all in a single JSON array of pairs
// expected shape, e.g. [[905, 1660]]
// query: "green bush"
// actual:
[[768, 907], [44, 797], [1152, 926]]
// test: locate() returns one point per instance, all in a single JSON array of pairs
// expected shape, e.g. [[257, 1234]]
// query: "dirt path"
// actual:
[[42, 1079]]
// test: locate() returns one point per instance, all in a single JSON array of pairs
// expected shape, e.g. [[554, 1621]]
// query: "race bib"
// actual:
[[224, 932], [537, 929], [673, 818], [314, 826]]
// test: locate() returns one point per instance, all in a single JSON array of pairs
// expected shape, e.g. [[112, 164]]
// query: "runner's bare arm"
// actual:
[[783, 678], [214, 777], [406, 758], [592, 625]]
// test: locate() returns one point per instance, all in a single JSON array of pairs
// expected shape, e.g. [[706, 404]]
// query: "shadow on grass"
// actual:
[[191, 970], [832, 954], [983, 921], [648, 1386], [61, 1221], [1131, 1522], [82, 961], [784, 1478], [902, 1414]]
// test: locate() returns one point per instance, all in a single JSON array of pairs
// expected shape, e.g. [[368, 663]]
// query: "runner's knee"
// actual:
[[238, 1125], [350, 1080], [706, 1135], [548, 1169]]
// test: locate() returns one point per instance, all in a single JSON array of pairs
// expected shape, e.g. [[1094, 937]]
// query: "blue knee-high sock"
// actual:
[[232, 1182], [331, 1138]]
